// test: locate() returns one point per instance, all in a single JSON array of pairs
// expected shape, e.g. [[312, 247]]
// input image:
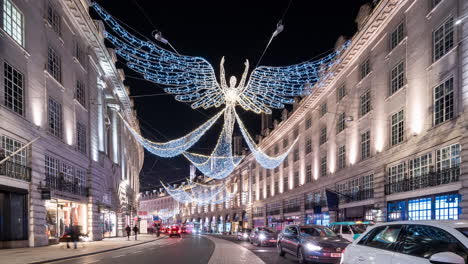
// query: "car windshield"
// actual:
[[317, 231], [463, 230], [359, 229]]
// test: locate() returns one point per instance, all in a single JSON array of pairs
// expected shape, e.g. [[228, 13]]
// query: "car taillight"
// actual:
[[180, 231]]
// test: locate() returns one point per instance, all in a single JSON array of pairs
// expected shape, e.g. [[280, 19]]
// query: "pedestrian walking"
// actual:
[[128, 230], [74, 236], [135, 230]]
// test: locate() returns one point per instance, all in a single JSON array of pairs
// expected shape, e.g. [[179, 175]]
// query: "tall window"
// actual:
[[308, 177], [342, 157], [54, 19], [79, 54], [308, 148], [81, 137], [285, 163], [54, 64], [396, 173], [323, 109], [365, 103], [268, 173], [323, 166], [447, 207], [55, 118], [397, 77], [296, 179], [14, 89], [51, 170], [80, 93], [308, 123], [368, 182], [260, 175], [420, 209], [397, 36], [443, 39], [276, 187], [443, 102], [296, 133], [285, 183], [420, 165], [11, 145], [398, 128], [68, 172], [365, 145], [276, 149], [285, 142], [448, 157], [364, 69], [13, 21], [268, 191], [296, 154], [323, 135], [340, 93]]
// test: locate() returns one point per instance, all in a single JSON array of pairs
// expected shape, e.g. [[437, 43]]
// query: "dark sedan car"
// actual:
[[244, 234], [311, 243], [262, 236]]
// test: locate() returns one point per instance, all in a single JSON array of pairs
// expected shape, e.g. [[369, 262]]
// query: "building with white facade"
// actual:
[[386, 134], [61, 87], [159, 207]]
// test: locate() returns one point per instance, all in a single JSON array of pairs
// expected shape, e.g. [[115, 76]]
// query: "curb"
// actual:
[[94, 253]]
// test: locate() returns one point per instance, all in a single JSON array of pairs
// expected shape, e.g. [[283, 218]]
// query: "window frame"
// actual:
[[397, 127], [342, 156], [397, 36], [364, 69], [58, 130], [17, 106], [450, 81], [443, 41], [365, 103], [367, 145], [13, 25], [323, 138], [341, 123], [397, 77]]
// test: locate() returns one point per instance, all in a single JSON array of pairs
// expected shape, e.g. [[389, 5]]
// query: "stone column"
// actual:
[[115, 148], [100, 116]]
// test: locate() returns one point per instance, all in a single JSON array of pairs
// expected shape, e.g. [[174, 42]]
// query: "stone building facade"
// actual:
[[160, 207], [61, 87], [386, 135]]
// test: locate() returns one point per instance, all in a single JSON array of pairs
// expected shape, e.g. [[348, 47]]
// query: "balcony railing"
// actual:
[[427, 180], [257, 214], [63, 185], [357, 196], [14, 170], [292, 209]]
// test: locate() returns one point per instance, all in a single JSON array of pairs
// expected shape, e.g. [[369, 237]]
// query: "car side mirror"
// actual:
[[446, 258]]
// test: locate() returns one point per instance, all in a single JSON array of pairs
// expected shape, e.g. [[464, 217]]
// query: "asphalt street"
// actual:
[[186, 250], [268, 254]]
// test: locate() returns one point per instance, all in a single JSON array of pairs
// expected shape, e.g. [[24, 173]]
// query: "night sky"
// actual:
[[238, 30]]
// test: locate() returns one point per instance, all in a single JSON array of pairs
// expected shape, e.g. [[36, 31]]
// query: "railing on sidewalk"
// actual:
[[63, 185], [15, 170], [430, 179]]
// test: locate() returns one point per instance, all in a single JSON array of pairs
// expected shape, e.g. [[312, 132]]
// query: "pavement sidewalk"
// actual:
[[60, 251], [227, 252]]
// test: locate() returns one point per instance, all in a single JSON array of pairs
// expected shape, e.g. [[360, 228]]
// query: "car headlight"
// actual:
[[262, 237], [312, 247], [245, 235]]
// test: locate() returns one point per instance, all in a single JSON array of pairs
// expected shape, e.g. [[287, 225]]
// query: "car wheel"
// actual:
[[301, 257], [280, 250]]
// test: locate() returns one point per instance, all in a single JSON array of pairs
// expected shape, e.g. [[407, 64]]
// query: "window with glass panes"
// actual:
[[10, 145], [365, 145], [14, 89], [54, 64], [81, 176], [443, 102], [276, 169], [448, 162], [308, 148], [368, 182], [340, 93], [13, 21], [80, 93], [341, 157], [285, 183], [308, 175], [296, 179], [51, 170], [447, 207], [276, 149], [79, 54], [397, 35], [323, 166], [285, 142], [308, 123], [261, 194], [296, 133], [364, 69], [340, 124], [397, 132], [55, 118], [420, 165], [68, 172], [365, 103], [81, 138], [397, 77], [268, 173], [296, 154], [443, 39], [420, 209], [260, 174], [276, 187], [268, 191], [323, 135], [396, 211], [286, 162], [54, 19], [396, 174], [323, 109]]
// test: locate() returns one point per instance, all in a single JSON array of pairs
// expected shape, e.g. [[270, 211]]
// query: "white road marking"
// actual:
[[136, 252], [94, 261], [119, 256]]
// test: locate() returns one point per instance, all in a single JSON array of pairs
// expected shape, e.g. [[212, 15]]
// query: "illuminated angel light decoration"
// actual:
[[193, 80], [199, 194]]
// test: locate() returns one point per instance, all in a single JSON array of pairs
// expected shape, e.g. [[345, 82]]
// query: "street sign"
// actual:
[[45, 195]]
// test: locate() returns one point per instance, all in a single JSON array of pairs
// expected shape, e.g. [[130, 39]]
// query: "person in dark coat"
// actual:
[[74, 234], [135, 230], [129, 231]]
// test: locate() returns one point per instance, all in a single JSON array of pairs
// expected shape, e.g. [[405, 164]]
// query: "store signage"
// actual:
[[45, 195]]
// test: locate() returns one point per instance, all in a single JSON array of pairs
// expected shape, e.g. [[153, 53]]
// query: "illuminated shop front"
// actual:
[[318, 219], [61, 214], [109, 223], [434, 207], [259, 223]]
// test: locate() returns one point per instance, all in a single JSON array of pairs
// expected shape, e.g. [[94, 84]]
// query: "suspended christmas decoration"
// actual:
[[193, 80]]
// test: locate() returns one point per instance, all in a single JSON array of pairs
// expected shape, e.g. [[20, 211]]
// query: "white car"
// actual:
[[415, 242]]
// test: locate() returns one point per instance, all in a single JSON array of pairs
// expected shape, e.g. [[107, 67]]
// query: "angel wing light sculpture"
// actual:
[[193, 80]]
